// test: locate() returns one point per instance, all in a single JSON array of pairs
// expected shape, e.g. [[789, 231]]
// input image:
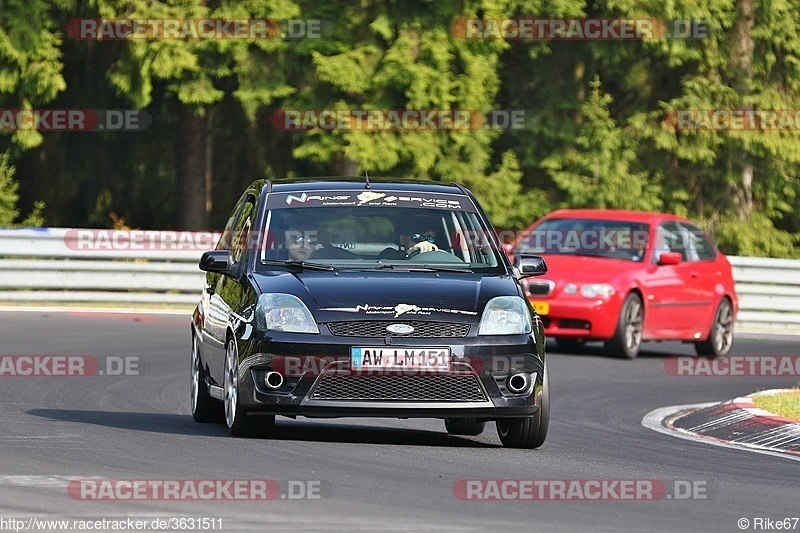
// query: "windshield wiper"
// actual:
[[462, 270], [386, 266], [420, 268], [299, 265], [413, 267]]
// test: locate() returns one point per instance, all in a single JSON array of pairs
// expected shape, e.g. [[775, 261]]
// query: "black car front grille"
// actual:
[[377, 328], [445, 388]]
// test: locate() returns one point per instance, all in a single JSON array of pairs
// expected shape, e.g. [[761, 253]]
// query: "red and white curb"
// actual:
[[736, 424]]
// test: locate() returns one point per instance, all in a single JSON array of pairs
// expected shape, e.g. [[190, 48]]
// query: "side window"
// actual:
[[670, 238], [241, 230], [700, 246], [226, 240], [472, 243], [459, 237]]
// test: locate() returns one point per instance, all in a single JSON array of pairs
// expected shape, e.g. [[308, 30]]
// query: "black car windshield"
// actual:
[[611, 239], [381, 231]]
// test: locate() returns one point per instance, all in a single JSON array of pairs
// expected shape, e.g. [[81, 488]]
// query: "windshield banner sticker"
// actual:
[[369, 198]]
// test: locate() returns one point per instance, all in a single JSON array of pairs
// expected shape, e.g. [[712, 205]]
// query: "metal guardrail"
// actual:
[[59, 265], [160, 268], [769, 292]]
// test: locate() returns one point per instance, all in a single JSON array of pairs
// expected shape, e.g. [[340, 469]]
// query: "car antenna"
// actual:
[[367, 185]]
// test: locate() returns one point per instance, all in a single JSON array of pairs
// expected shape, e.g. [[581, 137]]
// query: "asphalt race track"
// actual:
[[370, 475]]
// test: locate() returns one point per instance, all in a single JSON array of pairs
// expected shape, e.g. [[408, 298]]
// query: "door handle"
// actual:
[[210, 290], [694, 274]]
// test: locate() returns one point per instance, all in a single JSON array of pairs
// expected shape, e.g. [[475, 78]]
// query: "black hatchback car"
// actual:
[[384, 299]]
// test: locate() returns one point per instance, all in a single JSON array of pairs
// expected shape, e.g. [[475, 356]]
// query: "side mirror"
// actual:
[[530, 265], [669, 258], [217, 261]]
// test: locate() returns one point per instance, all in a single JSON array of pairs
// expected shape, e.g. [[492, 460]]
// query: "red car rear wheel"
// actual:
[[720, 338]]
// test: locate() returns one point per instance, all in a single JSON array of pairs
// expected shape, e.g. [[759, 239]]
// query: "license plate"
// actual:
[[542, 308], [373, 358]]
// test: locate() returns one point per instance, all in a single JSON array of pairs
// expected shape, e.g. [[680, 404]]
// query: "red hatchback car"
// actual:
[[624, 277]]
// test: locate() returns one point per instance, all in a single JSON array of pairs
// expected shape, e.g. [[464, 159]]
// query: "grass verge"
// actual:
[[784, 404]]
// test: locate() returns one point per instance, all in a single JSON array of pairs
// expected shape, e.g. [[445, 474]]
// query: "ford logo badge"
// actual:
[[400, 329]]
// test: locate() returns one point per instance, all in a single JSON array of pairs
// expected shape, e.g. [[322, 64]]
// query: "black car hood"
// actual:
[[388, 295]]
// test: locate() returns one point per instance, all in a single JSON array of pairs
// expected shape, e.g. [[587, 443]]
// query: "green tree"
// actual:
[[30, 76], [384, 55], [595, 170], [9, 213], [196, 76], [30, 61], [738, 182]]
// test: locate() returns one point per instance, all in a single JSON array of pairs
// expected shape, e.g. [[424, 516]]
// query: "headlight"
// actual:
[[284, 312], [505, 315], [595, 290]]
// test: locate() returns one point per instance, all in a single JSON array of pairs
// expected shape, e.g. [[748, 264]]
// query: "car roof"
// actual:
[[614, 214], [356, 183]]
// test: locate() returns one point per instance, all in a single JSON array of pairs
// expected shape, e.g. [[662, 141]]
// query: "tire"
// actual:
[[236, 418], [204, 407], [627, 339], [464, 426], [571, 345], [720, 338], [527, 432]]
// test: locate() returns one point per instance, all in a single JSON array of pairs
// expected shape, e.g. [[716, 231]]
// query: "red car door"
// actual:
[[671, 289], [705, 273]]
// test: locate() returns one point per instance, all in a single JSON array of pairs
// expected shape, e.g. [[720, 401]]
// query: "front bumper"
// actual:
[[318, 380], [580, 318]]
